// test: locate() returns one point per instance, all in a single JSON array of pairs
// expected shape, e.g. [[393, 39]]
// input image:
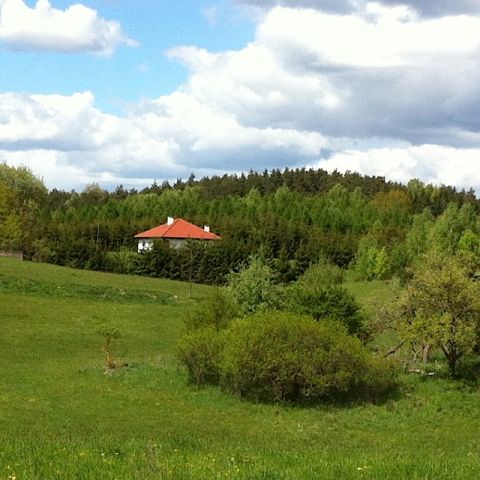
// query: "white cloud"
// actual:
[[427, 8], [383, 37], [197, 127], [439, 7], [45, 28], [164, 138], [432, 163], [70, 133], [253, 86], [392, 75]]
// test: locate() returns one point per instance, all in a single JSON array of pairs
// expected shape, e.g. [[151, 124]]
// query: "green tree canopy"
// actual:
[[440, 307]]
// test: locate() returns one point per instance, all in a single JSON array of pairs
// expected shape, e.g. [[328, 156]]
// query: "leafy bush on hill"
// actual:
[[281, 356], [253, 288], [319, 293], [201, 347], [285, 357], [124, 261], [200, 352], [216, 312], [334, 303]]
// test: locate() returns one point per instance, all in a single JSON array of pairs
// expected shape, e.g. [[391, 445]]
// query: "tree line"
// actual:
[[290, 218]]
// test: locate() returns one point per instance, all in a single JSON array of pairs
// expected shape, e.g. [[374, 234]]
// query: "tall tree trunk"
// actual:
[[426, 353]]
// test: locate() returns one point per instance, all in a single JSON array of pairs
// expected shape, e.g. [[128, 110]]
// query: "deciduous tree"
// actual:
[[441, 307]]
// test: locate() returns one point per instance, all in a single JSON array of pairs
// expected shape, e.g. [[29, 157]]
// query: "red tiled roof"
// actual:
[[178, 229]]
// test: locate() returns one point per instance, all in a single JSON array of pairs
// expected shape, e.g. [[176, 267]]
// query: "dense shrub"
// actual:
[[277, 355], [372, 261], [284, 357], [333, 302], [200, 349], [200, 352], [320, 294]]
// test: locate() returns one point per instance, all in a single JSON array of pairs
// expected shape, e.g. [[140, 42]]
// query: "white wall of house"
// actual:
[[144, 244], [176, 242]]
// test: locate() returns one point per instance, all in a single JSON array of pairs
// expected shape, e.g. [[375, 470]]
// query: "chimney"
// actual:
[[170, 220], [206, 228]]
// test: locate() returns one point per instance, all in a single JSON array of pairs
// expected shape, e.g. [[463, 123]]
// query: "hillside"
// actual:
[[62, 417]]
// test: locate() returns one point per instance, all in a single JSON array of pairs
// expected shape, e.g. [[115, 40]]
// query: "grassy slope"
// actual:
[[372, 294], [61, 417]]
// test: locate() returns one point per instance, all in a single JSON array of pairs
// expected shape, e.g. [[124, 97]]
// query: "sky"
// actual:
[[131, 91]]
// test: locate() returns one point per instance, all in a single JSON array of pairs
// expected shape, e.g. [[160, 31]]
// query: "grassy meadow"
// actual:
[[62, 417]]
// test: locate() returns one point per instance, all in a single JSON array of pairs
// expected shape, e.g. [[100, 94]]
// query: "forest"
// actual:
[[289, 218]]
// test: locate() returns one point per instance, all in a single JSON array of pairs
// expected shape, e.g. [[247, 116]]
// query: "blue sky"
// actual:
[[131, 73], [127, 91]]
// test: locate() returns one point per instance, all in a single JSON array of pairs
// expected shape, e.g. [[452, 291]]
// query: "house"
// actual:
[[176, 231]]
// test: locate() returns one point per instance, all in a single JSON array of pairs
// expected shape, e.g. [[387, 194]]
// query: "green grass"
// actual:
[[61, 417], [373, 295]]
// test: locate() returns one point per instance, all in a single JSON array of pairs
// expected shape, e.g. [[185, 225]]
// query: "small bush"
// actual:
[[253, 288], [284, 357], [110, 336], [217, 312], [322, 274], [200, 352], [123, 261]]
